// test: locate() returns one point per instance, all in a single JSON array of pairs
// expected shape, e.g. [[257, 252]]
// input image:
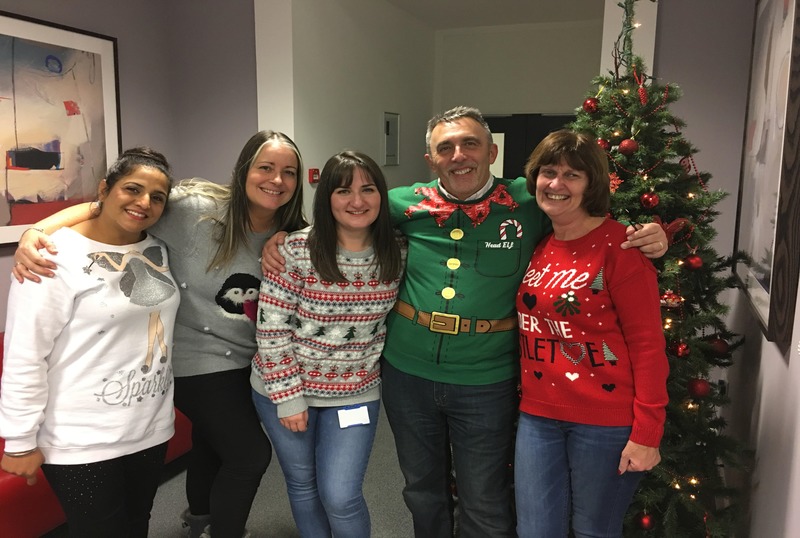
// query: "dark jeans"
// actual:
[[109, 498], [478, 421], [230, 451]]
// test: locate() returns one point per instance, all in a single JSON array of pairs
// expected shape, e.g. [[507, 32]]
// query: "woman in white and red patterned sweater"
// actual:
[[593, 364], [320, 332]]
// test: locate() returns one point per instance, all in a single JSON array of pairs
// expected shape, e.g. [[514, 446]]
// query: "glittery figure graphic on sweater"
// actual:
[[238, 297], [441, 208], [144, 285]]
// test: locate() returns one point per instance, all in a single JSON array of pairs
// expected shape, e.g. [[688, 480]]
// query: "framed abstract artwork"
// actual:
[[768, 217], [59, 118]]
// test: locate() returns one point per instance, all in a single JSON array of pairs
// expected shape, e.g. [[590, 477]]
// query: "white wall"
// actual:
[[351, 62], [275, 65], [524, 68], [211, 84]]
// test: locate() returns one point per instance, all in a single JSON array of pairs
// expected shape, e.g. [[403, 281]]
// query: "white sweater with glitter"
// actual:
[[87, 369]]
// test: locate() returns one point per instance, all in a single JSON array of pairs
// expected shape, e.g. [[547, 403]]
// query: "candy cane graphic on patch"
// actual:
[[504, 226]]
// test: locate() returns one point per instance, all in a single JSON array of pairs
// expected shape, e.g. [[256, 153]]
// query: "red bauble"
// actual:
[[699, 388], [645, 521], [719, 347], [628, 146], [693, 262], [603, 143], [590, 105], [670, 299], [649, 200], [681, 349]]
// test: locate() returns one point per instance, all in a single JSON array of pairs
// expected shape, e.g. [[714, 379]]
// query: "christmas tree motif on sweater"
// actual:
[[292, 320], [608, 355], [320, 331], [597, 283], [351, 333], [567, 304]]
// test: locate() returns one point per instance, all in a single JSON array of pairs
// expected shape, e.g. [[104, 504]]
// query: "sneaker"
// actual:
[[207, 533], [194, 526]]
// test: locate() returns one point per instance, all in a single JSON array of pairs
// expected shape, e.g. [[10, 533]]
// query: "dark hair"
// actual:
[[322, 240], [581, 152], [133, 158], [234, 225], [452, 115]]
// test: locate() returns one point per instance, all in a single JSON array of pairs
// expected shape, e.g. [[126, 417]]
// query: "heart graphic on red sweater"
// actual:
[[609, 386], [568, 349], [537, 374], [529, 300]]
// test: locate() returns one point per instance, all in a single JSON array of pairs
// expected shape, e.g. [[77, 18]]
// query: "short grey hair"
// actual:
[[454, 114]]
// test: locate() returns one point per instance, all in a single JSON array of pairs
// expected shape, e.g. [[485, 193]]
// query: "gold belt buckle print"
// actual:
[[442, 322]]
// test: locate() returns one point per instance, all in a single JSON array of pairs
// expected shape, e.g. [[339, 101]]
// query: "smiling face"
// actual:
[[356, 206], [460, 154], [130, 206], [559, 192], [271, 180]]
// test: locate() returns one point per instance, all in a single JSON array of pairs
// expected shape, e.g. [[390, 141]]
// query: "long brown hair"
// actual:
[[322, 240], [233, 222]]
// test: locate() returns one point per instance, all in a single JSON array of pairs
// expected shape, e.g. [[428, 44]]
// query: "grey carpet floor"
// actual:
[[271, 517]]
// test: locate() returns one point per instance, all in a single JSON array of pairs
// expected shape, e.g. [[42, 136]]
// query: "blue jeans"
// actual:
[[566, 470], [324, 468], [478, 422]]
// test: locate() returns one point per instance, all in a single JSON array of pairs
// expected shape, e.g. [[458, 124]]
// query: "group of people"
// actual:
[[331, 322]]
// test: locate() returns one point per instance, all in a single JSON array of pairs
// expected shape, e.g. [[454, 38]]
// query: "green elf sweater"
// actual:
[[465, 263]]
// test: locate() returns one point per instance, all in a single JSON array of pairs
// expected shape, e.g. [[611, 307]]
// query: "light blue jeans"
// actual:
[[324, 468], [567, 471]]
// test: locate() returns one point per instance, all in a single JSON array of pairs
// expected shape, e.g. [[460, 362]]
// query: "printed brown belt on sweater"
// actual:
[[441, 322]]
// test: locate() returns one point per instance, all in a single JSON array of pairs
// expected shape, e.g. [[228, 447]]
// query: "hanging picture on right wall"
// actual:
[[768, 219]]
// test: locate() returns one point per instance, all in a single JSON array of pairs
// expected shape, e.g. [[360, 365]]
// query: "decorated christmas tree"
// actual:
[[654, 178]]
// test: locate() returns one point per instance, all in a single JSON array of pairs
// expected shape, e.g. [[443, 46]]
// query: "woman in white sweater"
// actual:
[[87, 374]]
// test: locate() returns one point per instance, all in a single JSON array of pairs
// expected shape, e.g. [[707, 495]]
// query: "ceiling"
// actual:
[[444, 14]]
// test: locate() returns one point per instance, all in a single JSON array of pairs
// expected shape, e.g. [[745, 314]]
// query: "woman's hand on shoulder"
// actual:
[[650, 238], [636, 457], [271, 259], [28, 263]]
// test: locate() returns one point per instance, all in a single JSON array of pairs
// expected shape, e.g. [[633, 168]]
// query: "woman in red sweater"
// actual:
[[593, 364]]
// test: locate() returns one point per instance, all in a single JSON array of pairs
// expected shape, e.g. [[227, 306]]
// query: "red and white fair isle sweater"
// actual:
[[591, 341], [319, 342]]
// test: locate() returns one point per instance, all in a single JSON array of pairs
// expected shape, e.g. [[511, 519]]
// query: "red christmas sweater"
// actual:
[[591, 342]]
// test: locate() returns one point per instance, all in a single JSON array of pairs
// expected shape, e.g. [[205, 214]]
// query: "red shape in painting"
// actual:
[[72, 108]]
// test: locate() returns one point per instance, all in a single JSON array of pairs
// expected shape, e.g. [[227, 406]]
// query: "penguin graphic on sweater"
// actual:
[[238, 297]]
